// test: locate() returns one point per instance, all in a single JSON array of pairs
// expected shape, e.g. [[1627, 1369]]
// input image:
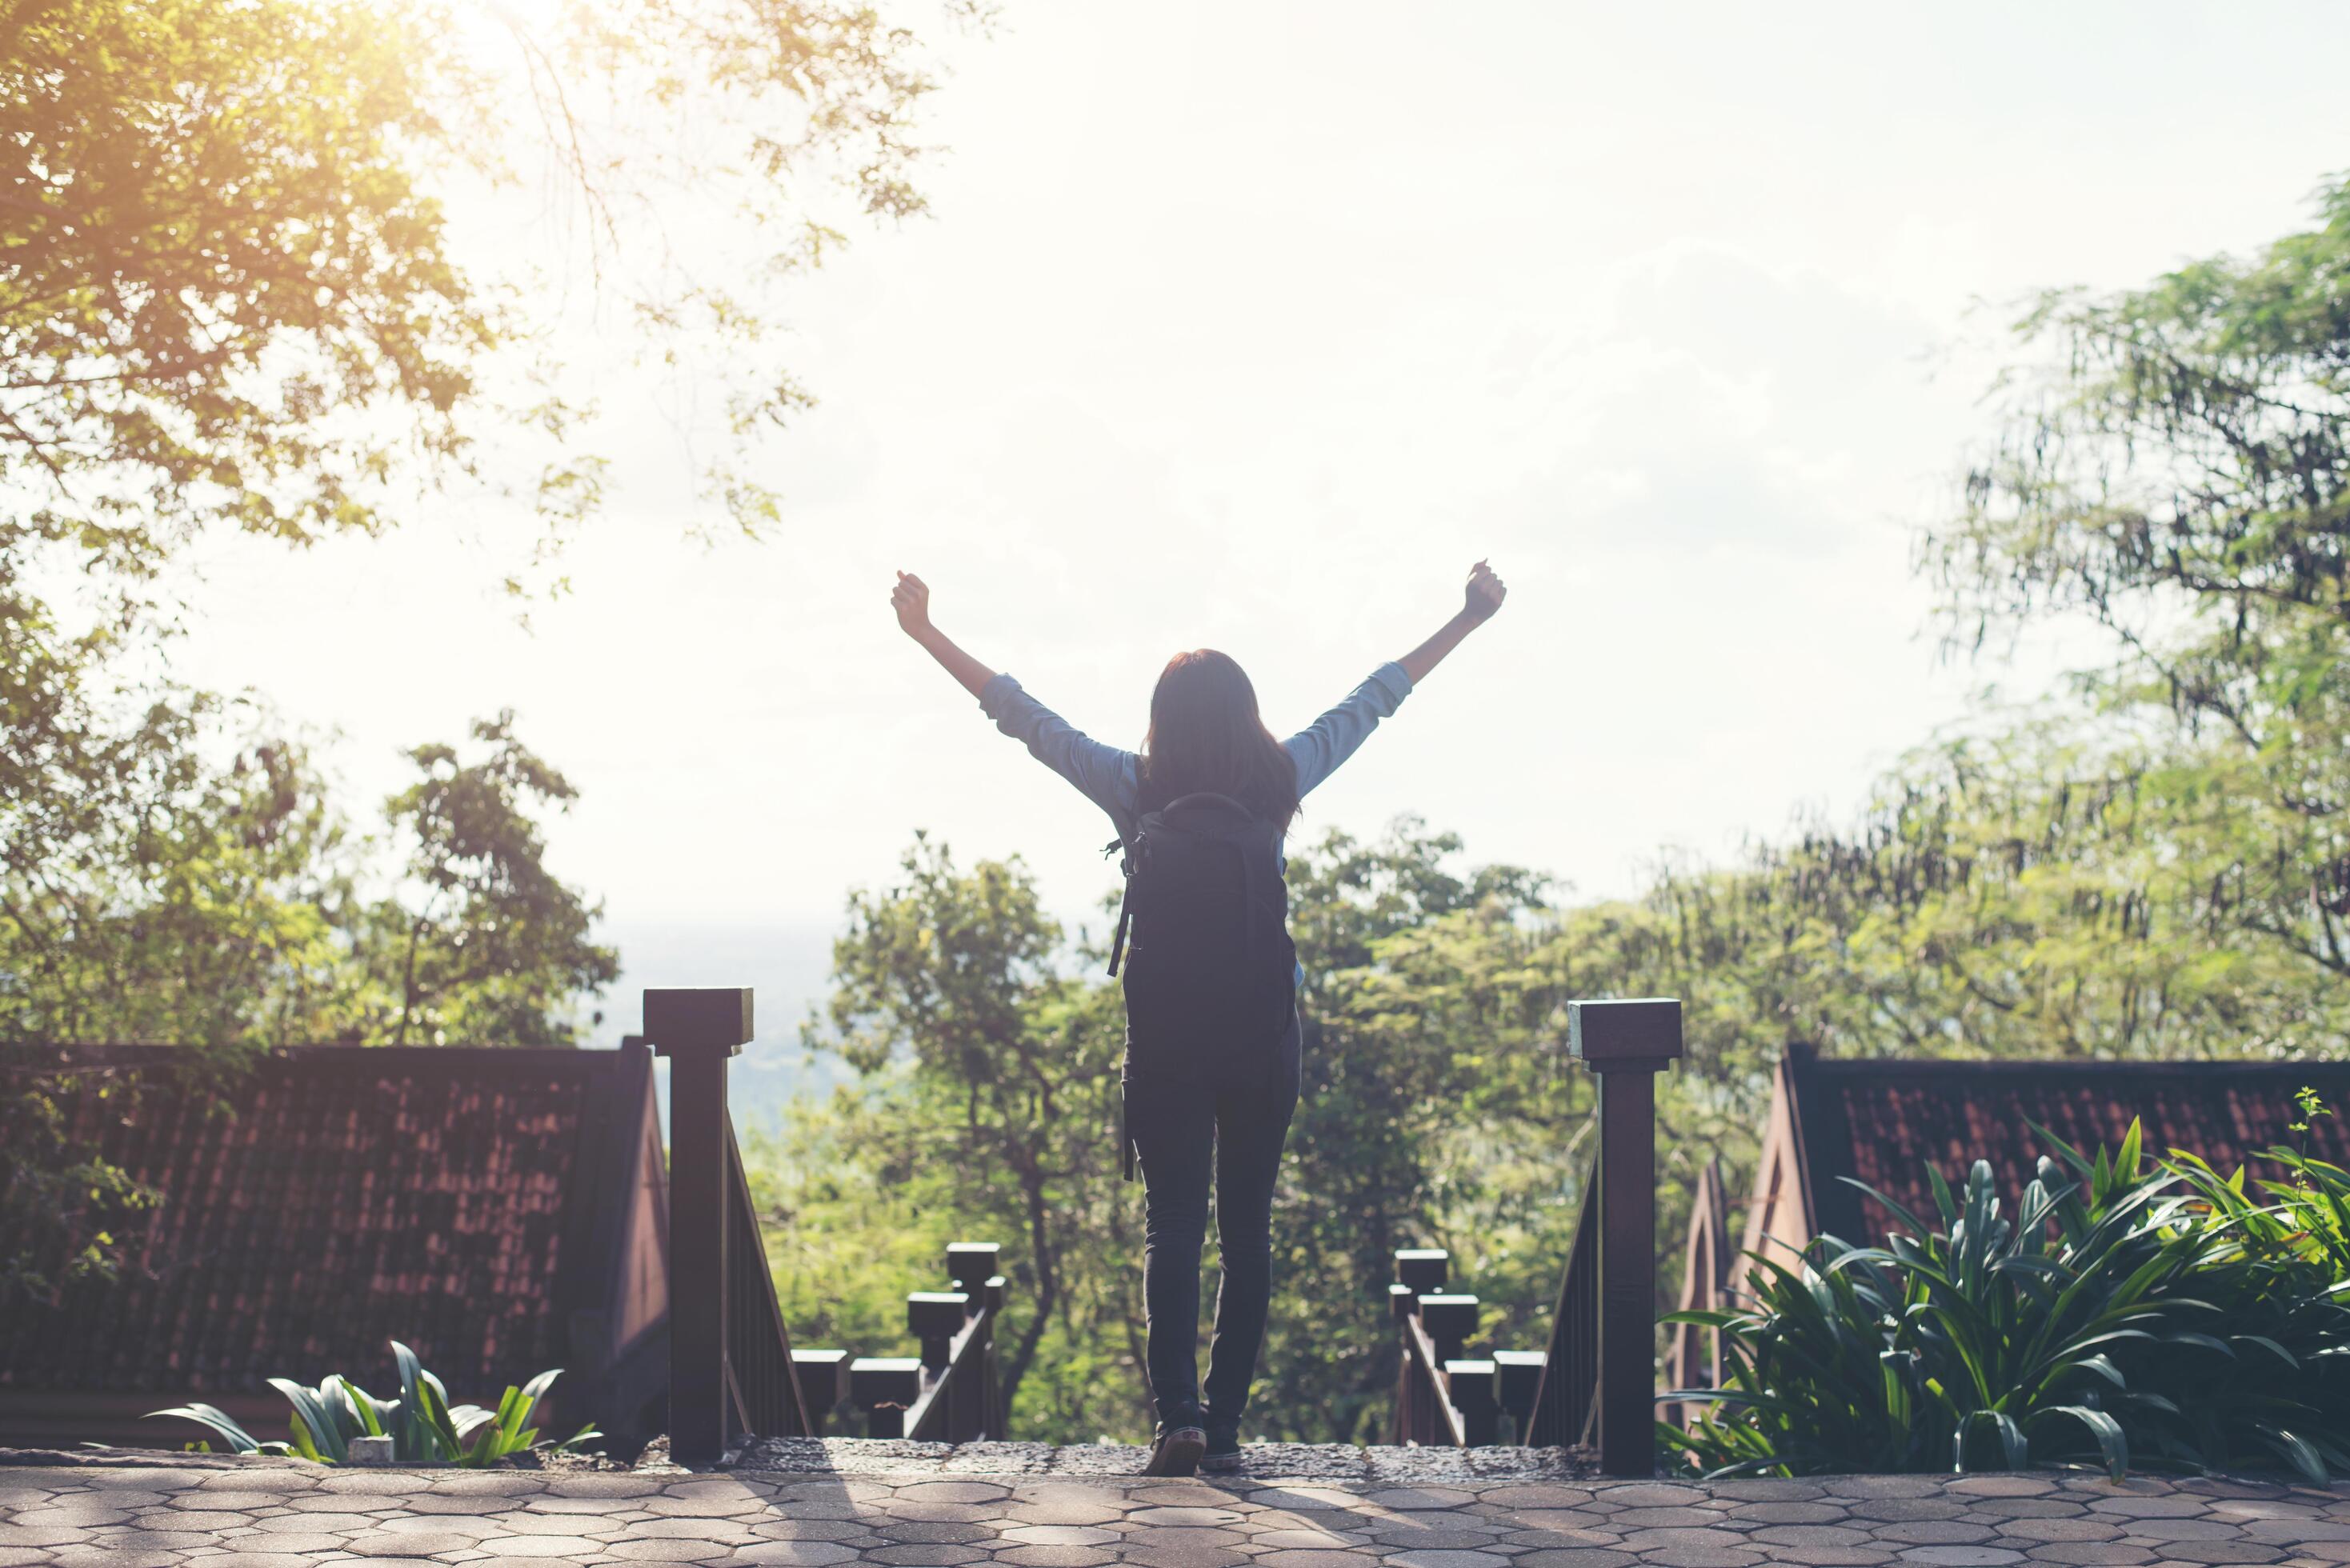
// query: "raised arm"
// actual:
[[1480, 600], [911, 599], [1104, 774], [1319, 748]]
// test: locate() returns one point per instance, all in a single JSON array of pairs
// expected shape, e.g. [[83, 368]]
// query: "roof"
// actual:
[[470, 1202], [1882, 1122]]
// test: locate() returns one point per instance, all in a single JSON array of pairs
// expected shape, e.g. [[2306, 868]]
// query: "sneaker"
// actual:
[[1176, 1451], [1223, 1450]]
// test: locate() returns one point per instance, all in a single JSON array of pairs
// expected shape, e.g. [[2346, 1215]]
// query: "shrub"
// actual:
[[2279, 1279], [424, 1426], [2129, 1309]]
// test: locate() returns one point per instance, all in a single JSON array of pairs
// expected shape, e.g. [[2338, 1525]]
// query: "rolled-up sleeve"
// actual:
[[1318, 749], [1103, 774]]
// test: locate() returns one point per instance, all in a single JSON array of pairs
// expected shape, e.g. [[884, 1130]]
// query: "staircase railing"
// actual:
[[1563, 1406], [732, 1369], [1445, 1398], [951, 1392]]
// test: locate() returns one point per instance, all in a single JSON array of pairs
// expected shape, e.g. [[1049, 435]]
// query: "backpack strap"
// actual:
[[1124, 913], [1117, 942], [1125, 1139]]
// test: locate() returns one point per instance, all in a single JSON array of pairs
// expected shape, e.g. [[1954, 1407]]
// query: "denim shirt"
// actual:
[[1111, 778]]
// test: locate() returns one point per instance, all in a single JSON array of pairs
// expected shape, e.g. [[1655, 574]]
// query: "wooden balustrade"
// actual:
[[732, 1372], [1563, 1407], [951, 1392], [1445, 1397]]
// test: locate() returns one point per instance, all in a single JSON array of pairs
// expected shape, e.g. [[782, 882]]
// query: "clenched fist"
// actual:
[[1484, 594], [911, 599]]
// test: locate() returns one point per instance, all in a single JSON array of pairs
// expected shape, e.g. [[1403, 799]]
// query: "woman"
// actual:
[[1198, 1108]]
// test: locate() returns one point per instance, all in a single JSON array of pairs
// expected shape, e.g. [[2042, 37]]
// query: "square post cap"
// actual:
[[936, 1314], [1518, 1374], [1471, 1383], [1423, 1269], [885, 1380], [1643, 1032], [698, 1018], [1448, 1317], [971, 1263], [823, 1375]]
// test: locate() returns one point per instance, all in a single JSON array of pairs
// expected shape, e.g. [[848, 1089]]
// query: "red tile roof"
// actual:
[[1883, 1122], [337, 1197]]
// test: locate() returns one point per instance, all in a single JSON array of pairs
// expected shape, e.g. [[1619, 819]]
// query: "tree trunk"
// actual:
[[1048, 1287]]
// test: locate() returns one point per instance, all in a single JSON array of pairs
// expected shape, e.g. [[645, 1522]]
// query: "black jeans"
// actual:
[[1194, 1124]]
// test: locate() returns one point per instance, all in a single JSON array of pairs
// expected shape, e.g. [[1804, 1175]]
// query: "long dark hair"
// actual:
[[1206, 738]]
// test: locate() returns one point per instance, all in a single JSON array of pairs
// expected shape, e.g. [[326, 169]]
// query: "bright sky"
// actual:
[[1252, 326]]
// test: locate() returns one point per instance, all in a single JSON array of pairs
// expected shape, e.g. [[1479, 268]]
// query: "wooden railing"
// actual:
[[1445, 1398], [732, 1370], [1564, 1404], [1596, 1384], [950, 1393]]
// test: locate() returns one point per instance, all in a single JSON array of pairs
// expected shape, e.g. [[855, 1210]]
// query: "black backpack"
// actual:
[[1210, 971]]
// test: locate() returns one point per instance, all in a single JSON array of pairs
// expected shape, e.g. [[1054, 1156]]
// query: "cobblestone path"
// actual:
[[274, 1515]]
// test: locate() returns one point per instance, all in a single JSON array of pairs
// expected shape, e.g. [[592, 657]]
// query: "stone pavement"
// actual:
[[123, 1512]]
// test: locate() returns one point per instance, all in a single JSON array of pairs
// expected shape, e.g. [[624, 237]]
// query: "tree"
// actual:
[[230, 296], [486, 946], [2177, 471], [993, 1078], [1434, 1112], [986, 1107]]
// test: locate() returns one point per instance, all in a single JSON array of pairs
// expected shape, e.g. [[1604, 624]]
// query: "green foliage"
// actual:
[[2280, 1284], [2130, 1312], [2177, 472], [230, 301], [424, 1428], [184, 226], [987, 1107], [1437, 1108], [233, 297], [1435, 1111], [487, 944]]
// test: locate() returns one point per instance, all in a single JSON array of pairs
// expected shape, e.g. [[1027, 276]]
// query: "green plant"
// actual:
[[424, 1426], [1987, 1343], [2131, 1308], [2278, 1276]]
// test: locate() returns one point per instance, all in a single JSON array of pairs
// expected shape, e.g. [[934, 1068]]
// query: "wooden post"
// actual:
[[1627, 1043], [824, 1378], [1470, 1382], [935, 1317], [886, 1386], [1450, 1322], [1517, 1378], [978, 1412], [697, 1029]]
